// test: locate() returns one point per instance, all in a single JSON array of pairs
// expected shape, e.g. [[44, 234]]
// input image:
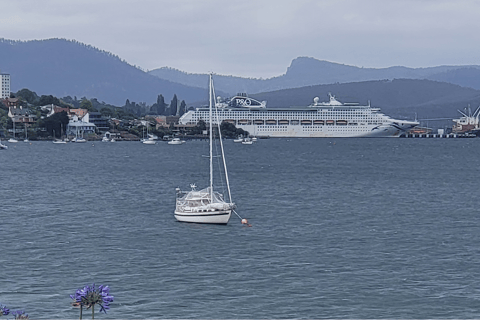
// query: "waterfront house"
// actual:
[[79, 127]]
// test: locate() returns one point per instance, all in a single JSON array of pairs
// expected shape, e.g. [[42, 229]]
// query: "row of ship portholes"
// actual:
[[291, 122]]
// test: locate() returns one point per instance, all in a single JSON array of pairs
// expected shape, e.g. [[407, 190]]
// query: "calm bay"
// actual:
[[341, 228]]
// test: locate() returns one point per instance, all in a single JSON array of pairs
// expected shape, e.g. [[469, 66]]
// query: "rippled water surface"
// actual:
[[342, 228]]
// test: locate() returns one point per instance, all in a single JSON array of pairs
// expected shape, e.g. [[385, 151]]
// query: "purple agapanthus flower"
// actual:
[[89, 296], [4, 311], [20, 315]]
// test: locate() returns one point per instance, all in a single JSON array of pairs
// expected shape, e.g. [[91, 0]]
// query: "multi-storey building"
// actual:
[[5, 86]]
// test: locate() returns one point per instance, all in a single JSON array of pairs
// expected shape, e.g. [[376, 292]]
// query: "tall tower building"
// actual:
[[5, 86]]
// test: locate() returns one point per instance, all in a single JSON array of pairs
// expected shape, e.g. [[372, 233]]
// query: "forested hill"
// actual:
[[62, 67]]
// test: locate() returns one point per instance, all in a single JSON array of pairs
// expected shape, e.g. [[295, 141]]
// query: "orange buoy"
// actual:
[[245, 221]]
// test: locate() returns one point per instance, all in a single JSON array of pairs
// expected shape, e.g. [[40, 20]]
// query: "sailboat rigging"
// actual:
[[206, 205]]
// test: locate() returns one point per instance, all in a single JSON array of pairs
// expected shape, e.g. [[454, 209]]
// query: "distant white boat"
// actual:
[[206, 205], [238, 140], [58, 141], [247, 141], [2, 146], [13, 140], [79, 140], [26, 134], [149, 141], [176, 141], [105, 139]]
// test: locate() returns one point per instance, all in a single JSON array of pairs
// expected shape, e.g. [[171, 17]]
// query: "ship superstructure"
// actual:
[[319, 120], [468, 122]]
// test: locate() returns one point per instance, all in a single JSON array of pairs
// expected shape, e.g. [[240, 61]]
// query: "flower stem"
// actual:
[[93, 314]]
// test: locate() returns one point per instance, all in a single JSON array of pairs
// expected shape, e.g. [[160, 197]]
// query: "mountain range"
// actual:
[[305, 71], [63, 67]]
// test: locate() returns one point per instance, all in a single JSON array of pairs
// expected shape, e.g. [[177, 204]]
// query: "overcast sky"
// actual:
[[256, 38]]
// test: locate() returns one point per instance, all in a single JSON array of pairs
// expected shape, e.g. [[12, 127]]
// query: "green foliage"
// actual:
[[27, 96], [159, 106], [57, 122], [199, 128], [72, 101], [183, 108], [87, 104], [123, 114], [46, 100], [107, 112], [173, 106], [230, 131]]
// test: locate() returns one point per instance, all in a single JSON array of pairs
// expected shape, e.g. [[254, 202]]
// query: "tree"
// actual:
[[87, 104], [159, 106], [230, 131], [183, 108], [199, 128], [46, 100], [57, 122], [173, 106], [106, 112], [27, 95]]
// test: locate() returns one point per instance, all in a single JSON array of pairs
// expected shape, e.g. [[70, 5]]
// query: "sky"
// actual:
[[256, 38]]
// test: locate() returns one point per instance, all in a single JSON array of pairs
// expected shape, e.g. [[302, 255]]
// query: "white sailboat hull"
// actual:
[[211, 217]]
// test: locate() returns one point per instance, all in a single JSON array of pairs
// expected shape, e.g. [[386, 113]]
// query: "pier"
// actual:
[[436, 135]]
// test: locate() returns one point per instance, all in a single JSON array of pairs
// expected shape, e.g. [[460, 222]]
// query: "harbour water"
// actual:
[[341, 228]]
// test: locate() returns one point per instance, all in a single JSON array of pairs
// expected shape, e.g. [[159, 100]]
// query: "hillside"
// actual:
[[68, 68], [304, 71]]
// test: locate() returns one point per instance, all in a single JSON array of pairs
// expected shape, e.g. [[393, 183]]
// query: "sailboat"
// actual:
[[26, 134], [58, 141], [206, 205], [148, 140], [13, 140], [77, 139]]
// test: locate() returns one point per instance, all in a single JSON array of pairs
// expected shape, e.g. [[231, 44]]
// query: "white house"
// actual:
[[78, 127]]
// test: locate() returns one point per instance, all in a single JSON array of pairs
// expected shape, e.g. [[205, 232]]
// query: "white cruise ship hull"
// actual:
[[298, 131]]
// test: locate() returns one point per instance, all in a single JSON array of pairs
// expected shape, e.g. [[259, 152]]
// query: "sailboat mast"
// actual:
[[221, 147], [211, 135]]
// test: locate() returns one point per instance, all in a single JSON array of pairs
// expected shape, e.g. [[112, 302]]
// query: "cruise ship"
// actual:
[[331, 119]]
